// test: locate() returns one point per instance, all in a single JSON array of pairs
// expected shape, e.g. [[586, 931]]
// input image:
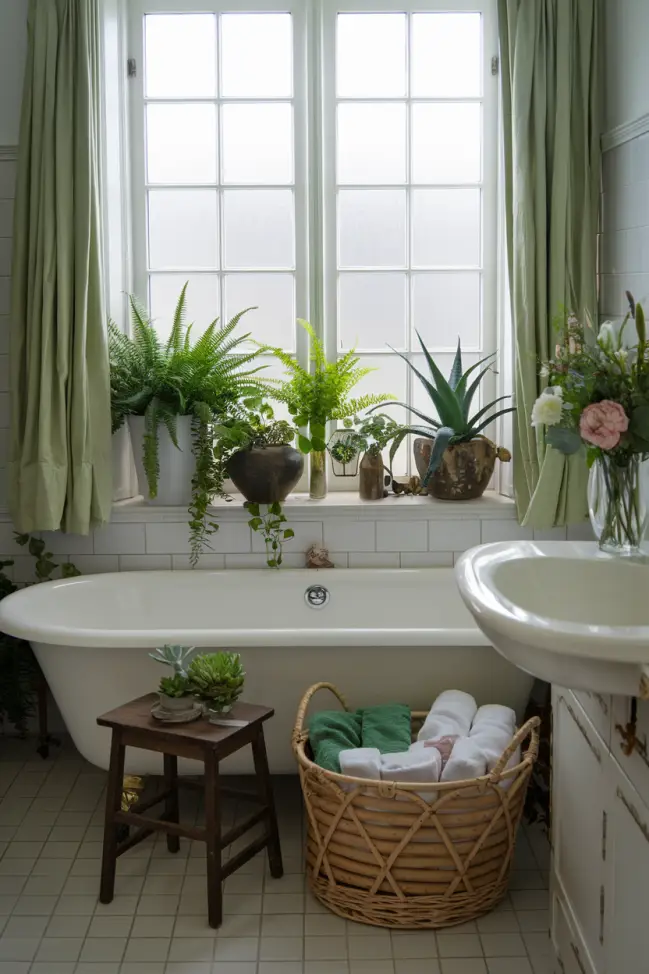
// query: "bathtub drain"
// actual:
[[316, 596]]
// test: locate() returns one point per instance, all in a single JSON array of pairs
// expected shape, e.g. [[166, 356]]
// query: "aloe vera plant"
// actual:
[[174, 656], [217, 678], [451, 398]]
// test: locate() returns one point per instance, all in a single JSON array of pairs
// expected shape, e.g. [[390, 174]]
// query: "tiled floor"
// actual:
[[51, 923]]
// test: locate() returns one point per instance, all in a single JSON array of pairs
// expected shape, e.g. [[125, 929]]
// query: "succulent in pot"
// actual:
[[175, 692], [217, 678], [174, 656], [262, 463], [454, 459]]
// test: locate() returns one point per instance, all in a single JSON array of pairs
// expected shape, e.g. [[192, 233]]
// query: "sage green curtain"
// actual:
[[60, 453], [551, 69]]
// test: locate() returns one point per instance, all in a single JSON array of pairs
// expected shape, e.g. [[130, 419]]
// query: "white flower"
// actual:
[[607, 336], [548, 408]]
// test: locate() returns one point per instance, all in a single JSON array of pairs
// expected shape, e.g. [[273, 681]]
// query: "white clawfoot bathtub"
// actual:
[[382, 635]]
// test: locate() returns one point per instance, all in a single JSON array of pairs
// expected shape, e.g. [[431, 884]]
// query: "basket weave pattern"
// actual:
[[379, 853]]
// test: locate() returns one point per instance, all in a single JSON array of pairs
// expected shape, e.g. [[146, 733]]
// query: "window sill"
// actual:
[[300, 507]]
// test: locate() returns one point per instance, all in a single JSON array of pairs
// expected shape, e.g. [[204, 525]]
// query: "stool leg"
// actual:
[[172, 811], [213, 840], [113, 805], [265, 788]]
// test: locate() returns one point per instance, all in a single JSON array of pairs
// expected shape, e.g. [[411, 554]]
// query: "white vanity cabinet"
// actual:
[[600, 837]]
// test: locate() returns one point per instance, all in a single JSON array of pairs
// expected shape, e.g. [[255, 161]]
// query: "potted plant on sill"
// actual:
[[172, 394], [217, 679], [258, 455], [317, 395], [375, 432], [175, 692], [454, 460]]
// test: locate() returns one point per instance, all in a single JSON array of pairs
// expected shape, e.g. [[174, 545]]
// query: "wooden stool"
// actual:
[[133, 726]]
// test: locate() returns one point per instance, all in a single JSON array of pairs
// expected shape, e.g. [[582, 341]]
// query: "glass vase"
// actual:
[[617, 504], [318, 475]]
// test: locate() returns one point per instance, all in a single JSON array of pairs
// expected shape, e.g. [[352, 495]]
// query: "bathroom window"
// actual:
[[334, 161]]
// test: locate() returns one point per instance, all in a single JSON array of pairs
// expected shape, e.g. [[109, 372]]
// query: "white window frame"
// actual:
[[315, 191]]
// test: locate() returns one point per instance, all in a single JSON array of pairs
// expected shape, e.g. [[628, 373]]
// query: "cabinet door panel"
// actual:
[[579, 760], [572, 958]]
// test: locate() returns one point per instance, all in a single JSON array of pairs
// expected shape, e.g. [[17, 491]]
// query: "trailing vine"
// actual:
[[270, 525]]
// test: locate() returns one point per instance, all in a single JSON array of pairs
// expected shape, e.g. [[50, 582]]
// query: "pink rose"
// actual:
[[602, 423]]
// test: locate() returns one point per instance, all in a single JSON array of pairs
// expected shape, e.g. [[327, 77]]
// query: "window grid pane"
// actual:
[[442, 189], [220, 211]]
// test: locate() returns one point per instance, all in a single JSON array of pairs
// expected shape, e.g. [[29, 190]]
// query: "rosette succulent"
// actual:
[[217, 678], [174, 686]]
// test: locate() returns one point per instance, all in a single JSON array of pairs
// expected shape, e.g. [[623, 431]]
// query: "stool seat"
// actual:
[[132, 725]]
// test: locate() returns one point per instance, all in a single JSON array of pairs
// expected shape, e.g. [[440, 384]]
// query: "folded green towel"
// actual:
[[386, 727], [330, 732]]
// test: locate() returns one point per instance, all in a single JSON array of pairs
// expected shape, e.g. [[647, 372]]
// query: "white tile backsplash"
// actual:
[[426, 559], [173, 538], [144, 563], [96, 564], [451, 535], [120, 539], [6, 217], [7, 179], [208, 561], [504, 531], [374, 559], [401, 536], [346, 534]]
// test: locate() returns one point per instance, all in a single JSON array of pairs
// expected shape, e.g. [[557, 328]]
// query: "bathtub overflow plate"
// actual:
[[316, 596]]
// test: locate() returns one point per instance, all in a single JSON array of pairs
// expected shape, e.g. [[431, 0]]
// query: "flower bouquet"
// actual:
[[598, 397]]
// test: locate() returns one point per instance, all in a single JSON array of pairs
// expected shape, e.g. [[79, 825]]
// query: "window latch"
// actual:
[[131, 68]]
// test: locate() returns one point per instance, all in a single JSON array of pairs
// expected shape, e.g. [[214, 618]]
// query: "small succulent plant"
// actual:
[[175, 686], [174, 656], [217, 678]]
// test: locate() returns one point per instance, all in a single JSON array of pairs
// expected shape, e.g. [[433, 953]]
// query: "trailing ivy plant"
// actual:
[[18, 667], [206, 379], [269, 521]]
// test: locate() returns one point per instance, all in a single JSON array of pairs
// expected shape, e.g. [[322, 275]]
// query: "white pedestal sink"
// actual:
[[563, 611]]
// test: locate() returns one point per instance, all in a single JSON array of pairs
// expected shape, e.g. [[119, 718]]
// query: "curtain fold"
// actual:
[[60, 452], [551, 69]]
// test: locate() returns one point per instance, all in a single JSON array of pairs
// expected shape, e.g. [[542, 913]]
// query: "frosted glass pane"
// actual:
[[446, 143], [446, 55], [390, 378], [371, 143], [183, 228], [371, 55], [446, 307], [202, 300], [257, 143], [181, 143], [273, 295], [446, 227], [256, 55], [180, 55], [371, 228], [259, 228], [372, 310]]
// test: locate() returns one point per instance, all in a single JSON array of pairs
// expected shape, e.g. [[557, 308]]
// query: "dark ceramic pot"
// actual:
[[266, 474], [464, 472]]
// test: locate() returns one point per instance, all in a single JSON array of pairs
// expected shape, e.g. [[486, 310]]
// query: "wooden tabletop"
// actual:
[[136, 715]]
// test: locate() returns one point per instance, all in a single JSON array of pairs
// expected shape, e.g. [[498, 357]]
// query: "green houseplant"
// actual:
[[317, 395], [174, 691], [455, 461], [173, 393], [217, 679], [375, 432]]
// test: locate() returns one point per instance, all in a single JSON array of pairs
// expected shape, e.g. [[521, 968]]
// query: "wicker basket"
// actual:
[[379, 853]]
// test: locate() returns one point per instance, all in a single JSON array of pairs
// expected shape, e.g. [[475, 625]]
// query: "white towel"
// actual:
[[361, 762], [451, 713], [418, 764], [467, 760], [494, 713], [492, 741], [443, 744]]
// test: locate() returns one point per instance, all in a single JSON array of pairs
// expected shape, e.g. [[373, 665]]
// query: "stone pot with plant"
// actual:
[[262, 463], [374, 434], [175, 692], [454, 459], [318, 395], [173, 394], [217, 679]]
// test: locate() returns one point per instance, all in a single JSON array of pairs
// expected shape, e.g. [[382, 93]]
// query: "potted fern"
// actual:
[[454, 459], [172, 394], [318, 395]]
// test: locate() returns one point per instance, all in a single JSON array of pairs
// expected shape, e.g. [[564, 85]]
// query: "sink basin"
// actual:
[[563, 611]]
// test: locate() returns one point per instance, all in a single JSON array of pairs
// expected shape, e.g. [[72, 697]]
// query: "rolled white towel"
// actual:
[[495, 713], [492, 741], [451, 713], [361, 762], [467, 760], [417, 764], [443, 744]]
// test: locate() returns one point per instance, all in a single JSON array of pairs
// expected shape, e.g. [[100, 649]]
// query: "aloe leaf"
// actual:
[[452, 411], [456, 371], [471, 391], [427, 419], [460, 391], [442, 440], [485, 409], [396, 443], [499, 412], [445, 404]]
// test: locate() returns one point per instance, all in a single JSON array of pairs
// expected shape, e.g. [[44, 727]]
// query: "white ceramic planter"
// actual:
[[175, 704], [176, 465]]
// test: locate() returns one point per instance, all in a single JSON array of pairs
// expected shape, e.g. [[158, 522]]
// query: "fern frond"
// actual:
[[175, 341]]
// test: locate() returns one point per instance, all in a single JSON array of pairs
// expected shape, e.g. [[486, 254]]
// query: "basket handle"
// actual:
[[529, 729], [298, 731]]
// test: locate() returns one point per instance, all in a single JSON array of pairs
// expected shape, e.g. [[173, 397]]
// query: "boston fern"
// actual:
[[161, 381], [451, 398], [321, 394]]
